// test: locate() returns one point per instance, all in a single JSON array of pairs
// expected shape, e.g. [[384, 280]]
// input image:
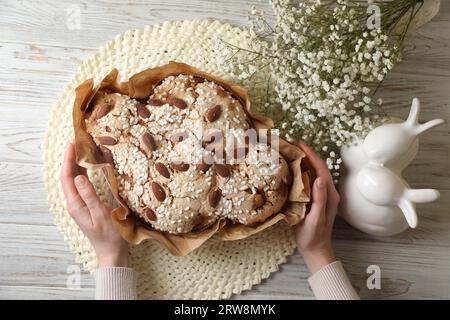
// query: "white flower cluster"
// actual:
[[320, 61]]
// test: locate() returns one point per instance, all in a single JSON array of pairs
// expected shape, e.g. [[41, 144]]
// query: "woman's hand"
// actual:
[[91, 215], [314, 233]]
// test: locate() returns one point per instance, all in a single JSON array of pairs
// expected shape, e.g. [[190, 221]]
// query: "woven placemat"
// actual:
[[217, 269]]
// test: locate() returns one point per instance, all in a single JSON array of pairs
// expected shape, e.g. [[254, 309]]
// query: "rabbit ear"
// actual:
[[409, 211], [428, 125], [413, 118]]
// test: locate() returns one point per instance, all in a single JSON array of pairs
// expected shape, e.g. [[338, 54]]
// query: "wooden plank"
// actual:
[[407, 272], [43, 260], [35, 255], [46, 21], [19, 182], [21, 143], [44, 293], [33, 75]]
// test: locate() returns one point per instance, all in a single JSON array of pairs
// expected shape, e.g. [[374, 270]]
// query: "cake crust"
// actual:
[[169, 168]]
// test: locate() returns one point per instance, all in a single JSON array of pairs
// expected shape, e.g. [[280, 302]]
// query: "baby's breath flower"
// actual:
[[313, 71]]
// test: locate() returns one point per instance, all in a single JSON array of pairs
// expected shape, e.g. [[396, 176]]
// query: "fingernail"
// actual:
[[80, 181], [320, 183]]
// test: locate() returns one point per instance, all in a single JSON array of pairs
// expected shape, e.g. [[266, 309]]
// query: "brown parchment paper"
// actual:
[[127, 223]]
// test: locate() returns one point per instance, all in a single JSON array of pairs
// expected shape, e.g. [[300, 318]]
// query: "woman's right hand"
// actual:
[[91, 214], [313, 235]]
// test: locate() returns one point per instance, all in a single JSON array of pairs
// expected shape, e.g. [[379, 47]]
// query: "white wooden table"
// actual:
[[39, 54]]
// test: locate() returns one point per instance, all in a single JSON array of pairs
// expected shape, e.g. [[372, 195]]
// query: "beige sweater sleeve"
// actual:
[[115, 283], [331, 283]]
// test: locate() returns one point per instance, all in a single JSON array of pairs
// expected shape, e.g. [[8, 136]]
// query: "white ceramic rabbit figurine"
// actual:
[[375, 197]]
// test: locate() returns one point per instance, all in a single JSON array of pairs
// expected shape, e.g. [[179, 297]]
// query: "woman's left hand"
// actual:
[[314, 233]]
